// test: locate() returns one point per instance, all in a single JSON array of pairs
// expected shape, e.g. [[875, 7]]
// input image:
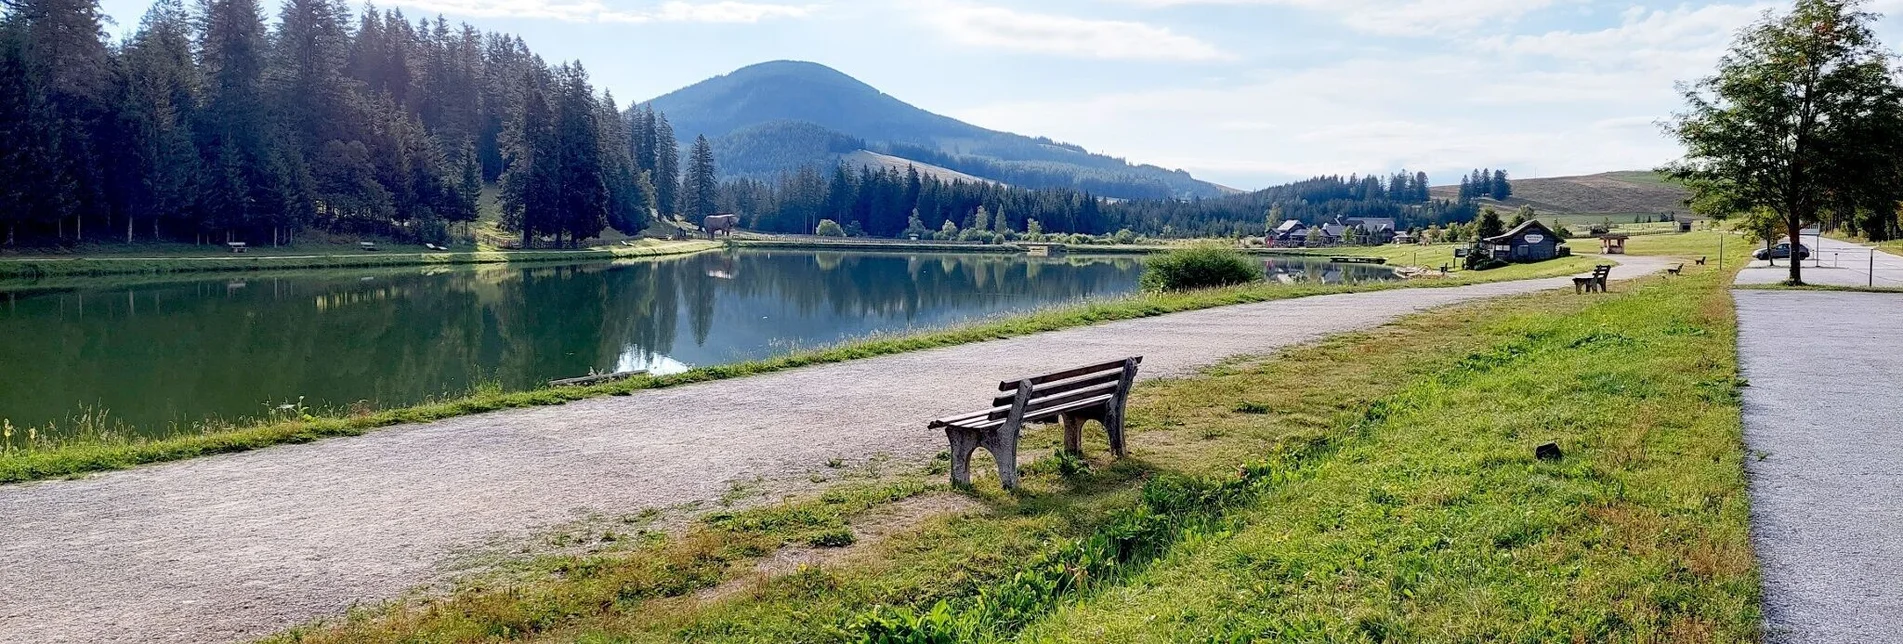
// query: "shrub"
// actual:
[[1125, 236], [1199, 267], [829, 228]]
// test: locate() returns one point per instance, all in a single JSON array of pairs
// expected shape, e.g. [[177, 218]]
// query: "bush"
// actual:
[[1199, 267], [829, 228], [1125, 236]]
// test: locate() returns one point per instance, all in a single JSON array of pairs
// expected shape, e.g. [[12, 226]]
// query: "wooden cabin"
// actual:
[[1528, 242]]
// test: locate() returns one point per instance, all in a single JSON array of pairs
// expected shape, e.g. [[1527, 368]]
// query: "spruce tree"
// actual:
[[667, 166], [702, 182]]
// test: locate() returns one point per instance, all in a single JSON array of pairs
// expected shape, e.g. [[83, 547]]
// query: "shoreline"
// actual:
[[96, 265], [106, 450]]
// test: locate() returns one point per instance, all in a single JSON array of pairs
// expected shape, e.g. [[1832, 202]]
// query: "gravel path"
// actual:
[[234, 547], [1822, 421]]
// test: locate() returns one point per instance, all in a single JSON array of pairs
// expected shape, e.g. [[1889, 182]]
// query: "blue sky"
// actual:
[[1243, 92]]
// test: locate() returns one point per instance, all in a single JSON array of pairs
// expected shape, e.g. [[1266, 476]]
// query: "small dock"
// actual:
[[1358, 260]]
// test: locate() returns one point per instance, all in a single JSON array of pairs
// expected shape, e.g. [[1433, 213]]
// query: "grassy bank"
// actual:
[[120, 265], [99, 449], [1377, 486]]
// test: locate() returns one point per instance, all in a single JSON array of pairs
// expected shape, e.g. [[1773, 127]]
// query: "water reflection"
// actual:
[[1296, 271], [230, 347]]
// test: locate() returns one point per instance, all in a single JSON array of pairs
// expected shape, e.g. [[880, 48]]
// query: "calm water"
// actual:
[[174, 352]]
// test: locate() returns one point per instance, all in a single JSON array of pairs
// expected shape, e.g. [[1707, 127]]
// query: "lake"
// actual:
[[161, 354]]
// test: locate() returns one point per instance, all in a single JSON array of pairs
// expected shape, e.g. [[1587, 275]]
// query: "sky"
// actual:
[[1247, 93]]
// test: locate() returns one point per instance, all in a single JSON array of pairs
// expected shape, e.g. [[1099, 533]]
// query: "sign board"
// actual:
[[1535, 238], [1460, 252]]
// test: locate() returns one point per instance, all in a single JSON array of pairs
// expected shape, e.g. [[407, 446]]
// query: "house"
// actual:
[[1405, 237], [1528, 242], [1684, 223], [1289, 234], [1373, 230], [1326, 235]]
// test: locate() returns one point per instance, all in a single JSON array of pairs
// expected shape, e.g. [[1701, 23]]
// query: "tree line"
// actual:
[[1491, 184], [894, 202], [205, 125]]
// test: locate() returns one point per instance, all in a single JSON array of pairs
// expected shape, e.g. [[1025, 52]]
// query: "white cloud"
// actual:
[[724, 11], [1388, 17], [1008, 29]]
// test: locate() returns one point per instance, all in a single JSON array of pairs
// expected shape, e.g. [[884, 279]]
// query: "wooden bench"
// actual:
[[368, 247], [1701, 261], [236, 247], [435, 247], [1070, 397], [1676, 269], [1597, 282]]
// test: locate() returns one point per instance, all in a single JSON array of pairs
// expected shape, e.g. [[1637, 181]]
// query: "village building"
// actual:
[[1528, 242], [1373, 230]]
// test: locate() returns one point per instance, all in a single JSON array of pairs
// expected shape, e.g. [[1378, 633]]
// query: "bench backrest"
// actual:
[[1601, 271], [1064, 387]]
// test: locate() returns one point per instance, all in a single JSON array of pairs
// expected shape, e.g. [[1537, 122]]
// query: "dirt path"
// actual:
[[1826, 461], [235, 547]]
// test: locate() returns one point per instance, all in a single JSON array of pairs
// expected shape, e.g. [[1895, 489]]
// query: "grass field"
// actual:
[[1376, 486], [93, 449]]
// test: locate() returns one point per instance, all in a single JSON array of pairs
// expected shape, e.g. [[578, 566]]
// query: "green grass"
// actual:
[[330, 258], [102, 449], [1376, 486]]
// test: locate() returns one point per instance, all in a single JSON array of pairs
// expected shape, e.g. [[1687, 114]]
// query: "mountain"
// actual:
[[1632, 192], [773, 117]]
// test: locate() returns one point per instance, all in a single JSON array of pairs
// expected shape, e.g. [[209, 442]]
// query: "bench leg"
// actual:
[[1073, 432], [963, 443], [1003, 445], [1113, 425]]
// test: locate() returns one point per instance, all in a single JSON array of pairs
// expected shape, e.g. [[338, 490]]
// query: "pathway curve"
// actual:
[[1822, 420], [237, 546]]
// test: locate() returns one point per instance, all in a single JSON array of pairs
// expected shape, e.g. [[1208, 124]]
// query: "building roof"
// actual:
[[1371, 224], [1290, 225], [1531, 226], [1333, 230]]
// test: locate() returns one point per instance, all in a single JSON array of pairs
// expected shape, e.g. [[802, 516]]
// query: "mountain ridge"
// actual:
[[772, 117]]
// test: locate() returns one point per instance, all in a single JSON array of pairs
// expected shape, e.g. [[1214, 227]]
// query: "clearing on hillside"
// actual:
[[1622, 193]]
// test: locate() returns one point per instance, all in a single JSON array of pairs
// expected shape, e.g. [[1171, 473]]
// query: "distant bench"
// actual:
[[1597, 282], [236, 247], [1071, 397]]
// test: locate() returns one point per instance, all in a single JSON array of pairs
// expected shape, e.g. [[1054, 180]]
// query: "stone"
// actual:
[[1548, 452]]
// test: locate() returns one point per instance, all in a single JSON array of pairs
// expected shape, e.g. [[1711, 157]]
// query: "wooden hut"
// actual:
[[1612, 243], [1528, 242]]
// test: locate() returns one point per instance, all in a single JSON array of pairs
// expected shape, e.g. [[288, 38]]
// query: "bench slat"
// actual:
[[1053, 412], [1012, 385], [1037, 406], [1061, 386]]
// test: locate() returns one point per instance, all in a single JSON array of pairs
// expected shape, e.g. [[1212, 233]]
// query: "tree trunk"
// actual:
[[128, 229], [79, 228], [1796, 231]]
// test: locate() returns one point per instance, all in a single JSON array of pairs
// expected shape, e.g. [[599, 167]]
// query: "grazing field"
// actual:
[[1374, 486], [1626, 192]]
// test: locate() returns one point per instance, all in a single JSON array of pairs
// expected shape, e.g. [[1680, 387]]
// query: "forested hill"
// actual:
[[786, 114]]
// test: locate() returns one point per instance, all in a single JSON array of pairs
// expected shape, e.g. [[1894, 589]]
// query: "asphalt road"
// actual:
[[233, 547], [1833, 263], [1825, 431]]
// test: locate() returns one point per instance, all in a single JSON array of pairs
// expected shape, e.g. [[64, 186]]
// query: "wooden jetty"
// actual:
[[1358, 260]]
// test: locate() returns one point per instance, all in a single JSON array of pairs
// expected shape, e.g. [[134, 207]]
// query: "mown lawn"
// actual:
[[1377, 486]]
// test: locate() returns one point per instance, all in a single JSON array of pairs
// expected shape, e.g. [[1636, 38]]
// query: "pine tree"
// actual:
[[155, 173], [667, 165], [1499, 186], [530, 184], [247, 186], [582, 192], [64, 75], [702, 183]]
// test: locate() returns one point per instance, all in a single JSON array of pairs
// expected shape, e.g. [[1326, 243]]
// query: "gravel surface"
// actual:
[[234, 547], [1821, 419], [1834, 263]]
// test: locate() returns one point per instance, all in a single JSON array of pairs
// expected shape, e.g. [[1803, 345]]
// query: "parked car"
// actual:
[[1783, 251]]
